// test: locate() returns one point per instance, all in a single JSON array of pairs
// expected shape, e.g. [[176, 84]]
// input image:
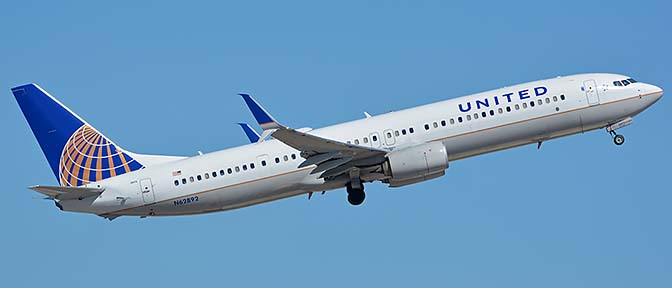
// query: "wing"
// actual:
[[332, 157], [67, 192]]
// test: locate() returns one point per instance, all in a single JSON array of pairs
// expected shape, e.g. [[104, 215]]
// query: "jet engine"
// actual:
[[415, 164]]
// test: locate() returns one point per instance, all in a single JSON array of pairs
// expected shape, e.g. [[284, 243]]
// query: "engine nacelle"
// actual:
[[415, 164]]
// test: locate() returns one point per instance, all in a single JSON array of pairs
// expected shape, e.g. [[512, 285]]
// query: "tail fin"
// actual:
[[77, 152]]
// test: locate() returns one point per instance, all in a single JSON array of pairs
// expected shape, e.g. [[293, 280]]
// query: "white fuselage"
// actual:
[[458, 123]]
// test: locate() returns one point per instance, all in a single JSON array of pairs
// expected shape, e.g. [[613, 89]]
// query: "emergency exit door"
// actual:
[[147, 190], [590, 87]]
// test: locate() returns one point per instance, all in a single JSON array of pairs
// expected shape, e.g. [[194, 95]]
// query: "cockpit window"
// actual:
[[625, 82]]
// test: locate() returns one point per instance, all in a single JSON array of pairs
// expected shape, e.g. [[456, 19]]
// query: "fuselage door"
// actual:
[[590, 87], [389, 137], [147, 190]]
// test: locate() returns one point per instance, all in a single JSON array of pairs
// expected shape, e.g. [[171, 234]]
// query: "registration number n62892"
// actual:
[[186, 200]]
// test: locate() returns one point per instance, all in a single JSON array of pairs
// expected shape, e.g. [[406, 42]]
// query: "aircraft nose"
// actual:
[[657, 92]]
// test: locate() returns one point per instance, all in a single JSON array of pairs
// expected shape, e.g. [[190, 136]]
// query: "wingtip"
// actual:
[[263, 118]]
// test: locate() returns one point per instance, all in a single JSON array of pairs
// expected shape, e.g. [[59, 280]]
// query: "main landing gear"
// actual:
[[356, 193]]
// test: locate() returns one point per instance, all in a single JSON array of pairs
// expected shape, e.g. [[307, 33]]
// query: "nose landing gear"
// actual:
[[611, 129], [618, 138]]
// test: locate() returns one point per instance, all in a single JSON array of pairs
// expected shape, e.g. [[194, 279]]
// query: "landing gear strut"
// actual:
[[355, 195]]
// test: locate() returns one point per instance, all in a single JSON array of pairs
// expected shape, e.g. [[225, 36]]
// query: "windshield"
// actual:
[[624, 82]]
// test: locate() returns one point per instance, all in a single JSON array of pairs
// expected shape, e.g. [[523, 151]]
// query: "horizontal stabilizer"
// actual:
[[67, 192]]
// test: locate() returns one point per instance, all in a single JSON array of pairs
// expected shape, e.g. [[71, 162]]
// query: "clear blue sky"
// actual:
[[162, 78]]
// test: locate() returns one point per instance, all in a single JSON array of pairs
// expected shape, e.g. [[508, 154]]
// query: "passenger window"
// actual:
[[459, 119], [357, 141], [555, 98], [500, 110], [517, 107], [199, 178], [207, 176], [548, 100], [229, 171], [452, 121], [426, 126], [475, 115], [531, 103], [436, 125], [263, 162], [221, 172], [540, 101], [389, 135], [293, 156], [484, 114], [277, 160], [285, 158], [403, 131], [562, 97], [468, 117], [251, 165], [396, 133], [244, 167], [177, 183], [366, 140], [237, 169], [191, 178], [525, 105], [411, 130], [184, 180], [375, 138], [443, 123], [492, 112], [508, 108]]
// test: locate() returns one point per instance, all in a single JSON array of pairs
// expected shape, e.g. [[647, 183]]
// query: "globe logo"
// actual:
[[89, 156]]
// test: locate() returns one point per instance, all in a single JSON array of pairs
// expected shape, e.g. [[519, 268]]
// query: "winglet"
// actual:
[[251, 134], [265, 120]]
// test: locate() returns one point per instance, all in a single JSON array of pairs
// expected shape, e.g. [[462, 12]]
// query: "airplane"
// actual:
[[399, 148]]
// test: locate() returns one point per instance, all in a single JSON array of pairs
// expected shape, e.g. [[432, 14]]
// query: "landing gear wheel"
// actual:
[[619, 139], [356, 197]]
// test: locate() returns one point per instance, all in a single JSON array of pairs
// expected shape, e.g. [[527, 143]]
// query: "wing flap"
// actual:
[[67, 192]]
